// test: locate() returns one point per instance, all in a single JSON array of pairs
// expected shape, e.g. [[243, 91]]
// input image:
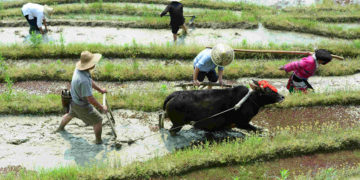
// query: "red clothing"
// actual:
[[304, 68]]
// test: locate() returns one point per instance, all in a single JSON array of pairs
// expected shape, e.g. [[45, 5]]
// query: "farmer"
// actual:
[[207, 60], [36, 15], [305, 68], [82, 96], [177, 20]]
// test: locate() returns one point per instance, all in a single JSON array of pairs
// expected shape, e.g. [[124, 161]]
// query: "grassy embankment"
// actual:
[[157, 51], [187, 3], [284, 143], [146, 15], [291, 19], [317, 20], [133, 70], [152, 100]]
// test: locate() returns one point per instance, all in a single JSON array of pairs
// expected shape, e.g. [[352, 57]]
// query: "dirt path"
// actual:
[[320, 84], [199, 36]]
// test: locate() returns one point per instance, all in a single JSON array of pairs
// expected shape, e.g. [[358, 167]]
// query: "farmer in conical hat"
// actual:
[[207, 60], [177, 20], [36, 15], [82, 96], [304, 69]]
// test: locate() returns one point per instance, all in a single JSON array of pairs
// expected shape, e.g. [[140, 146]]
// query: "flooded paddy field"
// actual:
[[121, 36], [31, 137], [307, 165], [320, 84]]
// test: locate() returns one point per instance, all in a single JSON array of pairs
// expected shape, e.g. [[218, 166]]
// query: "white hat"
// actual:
[[222, 55], [87, 60], [174, 0], [48, 11]]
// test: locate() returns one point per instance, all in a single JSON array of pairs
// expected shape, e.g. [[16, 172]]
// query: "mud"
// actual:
[[124, 24], [290, 3], [199, 36], [320, 84], [303, 165], [35, 142], [42, 149]]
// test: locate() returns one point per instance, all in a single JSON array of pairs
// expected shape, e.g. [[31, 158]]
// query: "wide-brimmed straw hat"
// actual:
[[48, 11], [222, 55], [87, 60]]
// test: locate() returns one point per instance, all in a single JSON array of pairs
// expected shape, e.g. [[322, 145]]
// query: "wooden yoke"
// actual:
[[282, 52]]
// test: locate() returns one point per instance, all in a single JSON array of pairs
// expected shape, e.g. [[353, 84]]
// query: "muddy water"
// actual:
[[303, 165], [290, 3], [314, 117], [122, 36], [320, 84], [31, 138]]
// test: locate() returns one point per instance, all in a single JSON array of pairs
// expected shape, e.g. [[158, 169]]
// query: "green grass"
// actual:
[[226, 17], [152, 100], [166, 51], [187, 3], [286, 23], [156, 70], [285, 143]]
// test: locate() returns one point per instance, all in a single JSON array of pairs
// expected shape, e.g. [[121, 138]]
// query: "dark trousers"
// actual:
[[211, 75], [33, 25]]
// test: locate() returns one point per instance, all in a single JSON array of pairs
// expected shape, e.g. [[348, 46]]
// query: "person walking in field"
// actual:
[[177, 20], [207, 60], [36, 15], [304, 69], [82, 96]]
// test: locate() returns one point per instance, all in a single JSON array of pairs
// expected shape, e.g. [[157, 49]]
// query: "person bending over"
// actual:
[[177, 20], [207, 60], [305, 68]]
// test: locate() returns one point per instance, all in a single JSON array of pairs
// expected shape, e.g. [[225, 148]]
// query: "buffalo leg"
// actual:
[[250, 127], [175, 128]]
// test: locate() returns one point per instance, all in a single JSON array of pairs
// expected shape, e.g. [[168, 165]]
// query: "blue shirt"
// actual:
[[204, 63], [81, 87]]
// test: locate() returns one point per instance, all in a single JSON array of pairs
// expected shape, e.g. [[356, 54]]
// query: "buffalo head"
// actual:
[[268, 93]]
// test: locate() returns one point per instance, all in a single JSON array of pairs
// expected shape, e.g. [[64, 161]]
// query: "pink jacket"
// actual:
[[304, 68]]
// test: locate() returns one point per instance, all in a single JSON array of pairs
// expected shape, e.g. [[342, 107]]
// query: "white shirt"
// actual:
[[34, 10]]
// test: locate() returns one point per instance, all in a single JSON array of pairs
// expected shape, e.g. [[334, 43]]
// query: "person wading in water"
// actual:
[[177, 20], [35, 15], [82, 96]]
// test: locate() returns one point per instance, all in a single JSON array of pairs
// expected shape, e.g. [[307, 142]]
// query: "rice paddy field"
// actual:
[[313, 135]]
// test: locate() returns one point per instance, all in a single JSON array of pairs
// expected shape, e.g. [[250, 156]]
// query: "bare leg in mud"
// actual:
[[65, 120], [184, 29], [175, 37], [97, 127], [98, 130]]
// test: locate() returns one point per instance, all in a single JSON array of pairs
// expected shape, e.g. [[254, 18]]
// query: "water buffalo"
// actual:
[[191, 107]]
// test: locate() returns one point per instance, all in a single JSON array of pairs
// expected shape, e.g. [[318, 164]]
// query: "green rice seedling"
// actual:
[[9, 82], [284, 174], [35, 40]]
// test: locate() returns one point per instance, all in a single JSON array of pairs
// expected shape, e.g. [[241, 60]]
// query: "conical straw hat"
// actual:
[[87, 60], [48, 11], [222, 55]]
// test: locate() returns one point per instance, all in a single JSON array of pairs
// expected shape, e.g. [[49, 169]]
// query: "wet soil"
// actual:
[[109, 36], [125, 24], [320, 84], [31, 138], [303, 165]]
